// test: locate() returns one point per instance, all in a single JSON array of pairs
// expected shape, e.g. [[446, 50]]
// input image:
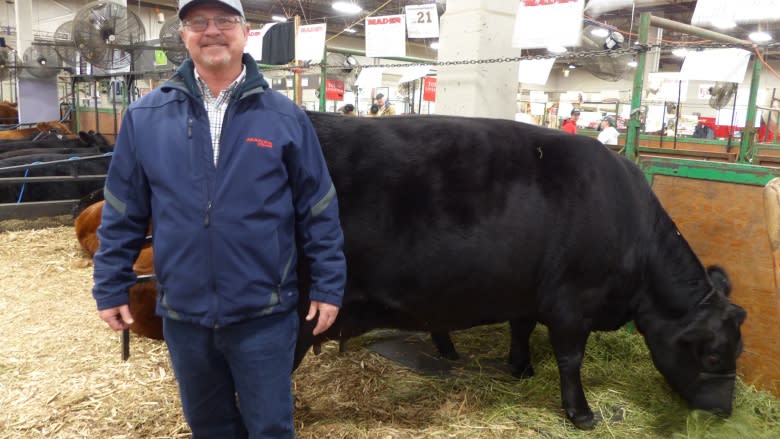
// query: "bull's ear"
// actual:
[[719, 279], [738, 313]]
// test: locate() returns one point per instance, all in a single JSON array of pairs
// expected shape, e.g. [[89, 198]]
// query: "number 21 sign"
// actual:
[[422, 21]]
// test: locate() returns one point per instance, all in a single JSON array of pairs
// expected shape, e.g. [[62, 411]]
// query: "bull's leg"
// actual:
[[444, 345], [519, 348], [569, 348]]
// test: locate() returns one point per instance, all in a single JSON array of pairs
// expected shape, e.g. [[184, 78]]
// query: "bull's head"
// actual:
[[699, 360]]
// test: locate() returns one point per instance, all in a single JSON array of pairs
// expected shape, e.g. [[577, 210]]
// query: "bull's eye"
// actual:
[[712, 360]]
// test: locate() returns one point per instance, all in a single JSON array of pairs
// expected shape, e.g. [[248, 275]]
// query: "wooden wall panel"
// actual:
[[725, 225]]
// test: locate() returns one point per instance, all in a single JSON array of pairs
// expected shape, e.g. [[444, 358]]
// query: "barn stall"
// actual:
[[61, 375]]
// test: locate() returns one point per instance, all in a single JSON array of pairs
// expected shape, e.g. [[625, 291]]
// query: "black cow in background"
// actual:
[[454, 222], [48, 191], [87, 143]]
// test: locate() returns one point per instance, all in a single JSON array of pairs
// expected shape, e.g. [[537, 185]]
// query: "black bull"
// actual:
[[455, 222]]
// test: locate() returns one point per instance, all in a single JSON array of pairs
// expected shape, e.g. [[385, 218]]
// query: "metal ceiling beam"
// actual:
[[695, 31]]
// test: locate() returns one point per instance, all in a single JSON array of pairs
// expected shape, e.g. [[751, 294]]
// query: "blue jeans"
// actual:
[[235, 381]]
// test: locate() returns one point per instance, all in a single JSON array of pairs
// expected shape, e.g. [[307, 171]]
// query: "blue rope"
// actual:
[[21, 192]]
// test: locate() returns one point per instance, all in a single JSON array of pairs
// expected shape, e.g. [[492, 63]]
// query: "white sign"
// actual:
[[534, 28], [665, 86], [708, 12], [598, 7], [422, 21], [725, 65], [704, 90], [386, 36], [254, 43], [412, 73], [369, 77], [535, 71], [310, 42]]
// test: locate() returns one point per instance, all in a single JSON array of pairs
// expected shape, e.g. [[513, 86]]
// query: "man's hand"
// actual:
[[327, 316], [118, 318]]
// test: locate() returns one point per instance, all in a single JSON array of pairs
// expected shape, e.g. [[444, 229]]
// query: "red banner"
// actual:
[[429, 89], [334, 90]]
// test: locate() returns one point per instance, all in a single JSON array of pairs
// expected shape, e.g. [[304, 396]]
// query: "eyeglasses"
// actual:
[[200, 24]]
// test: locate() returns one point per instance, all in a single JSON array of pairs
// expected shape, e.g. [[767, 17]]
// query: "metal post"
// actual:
[[323, 77], [634, 122], [746, 145], [297, 90]]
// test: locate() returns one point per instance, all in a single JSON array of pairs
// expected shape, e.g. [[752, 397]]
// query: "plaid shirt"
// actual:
[[216, 107]]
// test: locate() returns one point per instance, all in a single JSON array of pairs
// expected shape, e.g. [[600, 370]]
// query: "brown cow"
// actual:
[[9, 115], [143, 294], [29, 133]]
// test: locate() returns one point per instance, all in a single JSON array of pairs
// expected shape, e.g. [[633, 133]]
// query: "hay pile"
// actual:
[[61, 375]]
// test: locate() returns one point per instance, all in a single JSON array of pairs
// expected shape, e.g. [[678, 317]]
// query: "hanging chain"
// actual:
[[584, 54]]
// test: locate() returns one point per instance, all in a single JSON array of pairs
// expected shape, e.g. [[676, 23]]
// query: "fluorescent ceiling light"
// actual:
[[347, 7], [680, 52], [349, 30], [556, 49], [572, 67], [435, 45], [632, 63], [279, 18], [759, 37], [723, 23], [599, 32]]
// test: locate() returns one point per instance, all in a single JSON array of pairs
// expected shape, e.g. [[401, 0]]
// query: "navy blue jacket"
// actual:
[[224, 237]]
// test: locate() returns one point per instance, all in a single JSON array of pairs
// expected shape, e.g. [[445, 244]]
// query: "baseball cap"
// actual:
[[379, 95], [575, 112], [185, 5], [610, 121]]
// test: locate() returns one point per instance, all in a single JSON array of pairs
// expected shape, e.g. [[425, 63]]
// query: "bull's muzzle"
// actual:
[[713, 392]]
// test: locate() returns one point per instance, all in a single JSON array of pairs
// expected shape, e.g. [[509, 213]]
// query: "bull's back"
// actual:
[[464, 213]]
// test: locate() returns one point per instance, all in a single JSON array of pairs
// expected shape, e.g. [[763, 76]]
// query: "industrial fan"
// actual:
[[41, 61], [64, 44], [609, 67], [106, 34], [170, 41], [343, 68], [7, 62], [722, 93]]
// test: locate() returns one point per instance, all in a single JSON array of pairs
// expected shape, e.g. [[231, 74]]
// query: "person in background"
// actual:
[[232, 176], [608, 134], [348, 110], [385, 108], [373, 111], [570, 124]]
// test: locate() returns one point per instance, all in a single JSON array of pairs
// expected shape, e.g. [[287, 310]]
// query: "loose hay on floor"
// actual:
[[61, 375]]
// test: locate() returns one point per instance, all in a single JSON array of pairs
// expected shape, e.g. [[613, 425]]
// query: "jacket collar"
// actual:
[[184, 79]]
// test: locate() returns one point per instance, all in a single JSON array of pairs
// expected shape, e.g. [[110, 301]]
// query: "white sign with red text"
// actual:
[[534, 27], [422, 21], [310, 42], [386, 36]]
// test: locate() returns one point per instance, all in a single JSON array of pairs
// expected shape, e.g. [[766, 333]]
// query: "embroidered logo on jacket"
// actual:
[[261, 143]]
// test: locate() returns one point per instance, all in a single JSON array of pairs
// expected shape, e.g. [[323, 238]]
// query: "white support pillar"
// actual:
[[473, 30], [37, 98]]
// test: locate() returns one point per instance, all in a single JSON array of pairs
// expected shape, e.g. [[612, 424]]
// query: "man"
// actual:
[[228, 172], [608, 134], [570, 124], [385, 109]]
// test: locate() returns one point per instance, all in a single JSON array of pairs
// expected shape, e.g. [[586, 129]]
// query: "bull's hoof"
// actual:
[[584, 421], [449, 355], [522, 372]]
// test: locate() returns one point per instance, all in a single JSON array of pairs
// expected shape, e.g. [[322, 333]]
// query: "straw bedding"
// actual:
[[61, 375]]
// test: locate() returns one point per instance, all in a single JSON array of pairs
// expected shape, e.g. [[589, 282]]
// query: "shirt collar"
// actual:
[[204, 87]]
